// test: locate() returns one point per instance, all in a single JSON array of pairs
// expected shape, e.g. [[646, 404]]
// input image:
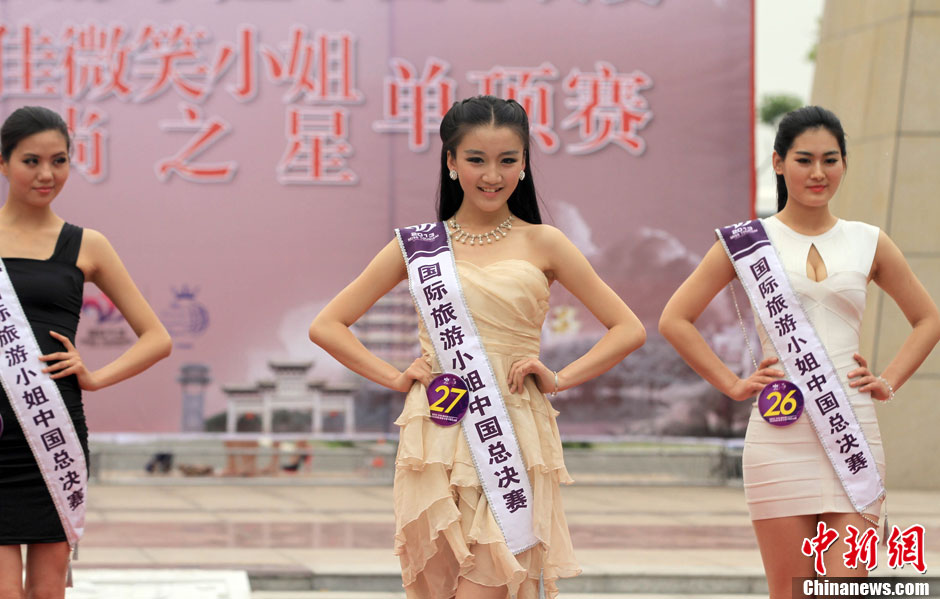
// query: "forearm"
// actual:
[[913, 352], [692, 347], [618, 342], [150, 347], [339, 342]]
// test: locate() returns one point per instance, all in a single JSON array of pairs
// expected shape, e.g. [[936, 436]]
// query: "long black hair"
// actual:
[[26, 121], [794, 124], [480, 111]]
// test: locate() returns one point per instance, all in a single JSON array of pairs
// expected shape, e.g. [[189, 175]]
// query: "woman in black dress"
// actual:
[[48, 262]]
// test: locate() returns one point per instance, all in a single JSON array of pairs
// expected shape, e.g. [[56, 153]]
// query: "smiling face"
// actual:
[[38, 168], [813, 167], [488, 161]]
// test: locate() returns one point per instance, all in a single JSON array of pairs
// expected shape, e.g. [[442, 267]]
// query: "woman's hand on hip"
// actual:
[[544, 377], [69, 362], [867, 382], [744, 389], [420, 370]]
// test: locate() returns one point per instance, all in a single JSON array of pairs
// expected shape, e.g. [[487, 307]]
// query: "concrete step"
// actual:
[[594, 584], [122, 460], [356, 595], [590, 585]]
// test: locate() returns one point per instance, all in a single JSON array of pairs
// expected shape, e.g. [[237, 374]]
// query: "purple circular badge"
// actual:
[[780, 403], [448, 398]]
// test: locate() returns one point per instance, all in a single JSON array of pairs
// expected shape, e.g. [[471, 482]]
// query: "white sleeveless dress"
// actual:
[[786, 470]]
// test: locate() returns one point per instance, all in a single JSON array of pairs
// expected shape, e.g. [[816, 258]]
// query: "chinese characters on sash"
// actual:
[[804, 359], [435, 287], [42, 413], [775, 309]]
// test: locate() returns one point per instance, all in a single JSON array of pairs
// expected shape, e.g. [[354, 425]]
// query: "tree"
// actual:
[[774, 106]]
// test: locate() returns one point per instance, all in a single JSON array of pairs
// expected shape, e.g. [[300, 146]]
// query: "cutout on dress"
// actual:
[[815, 267]]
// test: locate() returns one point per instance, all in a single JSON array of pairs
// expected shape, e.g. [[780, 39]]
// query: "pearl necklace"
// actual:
[[498, 233]]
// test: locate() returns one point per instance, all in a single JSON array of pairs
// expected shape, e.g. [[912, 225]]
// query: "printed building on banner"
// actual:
[[291, 391], [390, 328]]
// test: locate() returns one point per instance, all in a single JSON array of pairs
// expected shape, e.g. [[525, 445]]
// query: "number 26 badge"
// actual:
[[780, 403], [448, 398]]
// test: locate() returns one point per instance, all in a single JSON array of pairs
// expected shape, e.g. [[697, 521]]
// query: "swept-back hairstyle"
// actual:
[[480, 111], [794, 124], [27, 121]]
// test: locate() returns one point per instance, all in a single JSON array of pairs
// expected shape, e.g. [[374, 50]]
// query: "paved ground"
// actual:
[[295, 538]]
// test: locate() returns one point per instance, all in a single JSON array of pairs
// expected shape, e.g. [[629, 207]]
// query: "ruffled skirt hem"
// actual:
[[447, 540], [444, 527]]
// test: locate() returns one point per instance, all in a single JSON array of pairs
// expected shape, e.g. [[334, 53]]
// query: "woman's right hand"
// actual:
[[419, 371], [744, 389]]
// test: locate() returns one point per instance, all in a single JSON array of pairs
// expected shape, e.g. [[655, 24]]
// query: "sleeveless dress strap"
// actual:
[[68, 244]]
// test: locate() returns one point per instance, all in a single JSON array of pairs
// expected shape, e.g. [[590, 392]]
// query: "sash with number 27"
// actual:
[[435, 288]]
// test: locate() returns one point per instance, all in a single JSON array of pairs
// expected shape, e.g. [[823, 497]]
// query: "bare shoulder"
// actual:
[[554, 252], [94, 243], [93, 236], [96, 254], [544, 236], [886, 248], [887, 256], [884, 238]]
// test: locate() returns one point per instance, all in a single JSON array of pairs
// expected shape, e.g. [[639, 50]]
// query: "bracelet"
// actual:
[[555, 392], [890, 388]]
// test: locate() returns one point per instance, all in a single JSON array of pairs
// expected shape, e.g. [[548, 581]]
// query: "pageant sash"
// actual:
[[804, 359], [435, 288], [42, 414]]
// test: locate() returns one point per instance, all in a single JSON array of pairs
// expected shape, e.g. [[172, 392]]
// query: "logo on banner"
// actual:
[[185, 319], [108, 327]]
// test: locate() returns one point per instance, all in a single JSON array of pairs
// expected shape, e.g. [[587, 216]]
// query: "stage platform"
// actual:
[[298, 541]]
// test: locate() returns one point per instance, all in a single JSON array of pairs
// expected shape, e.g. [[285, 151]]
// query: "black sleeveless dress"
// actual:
[[50, 292]]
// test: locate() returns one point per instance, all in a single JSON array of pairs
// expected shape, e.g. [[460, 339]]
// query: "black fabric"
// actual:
[[50, 292]]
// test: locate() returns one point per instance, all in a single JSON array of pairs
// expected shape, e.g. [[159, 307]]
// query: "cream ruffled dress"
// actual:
[[444, 528]]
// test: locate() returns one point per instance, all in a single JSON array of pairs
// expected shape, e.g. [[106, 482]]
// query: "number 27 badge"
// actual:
[[780, 403], [448, 398]]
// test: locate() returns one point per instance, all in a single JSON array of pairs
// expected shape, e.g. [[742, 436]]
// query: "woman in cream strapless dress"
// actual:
[[440, 507], [790, 484], [446, 536]]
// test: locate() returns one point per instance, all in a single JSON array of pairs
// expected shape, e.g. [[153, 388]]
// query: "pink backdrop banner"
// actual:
[[247, 159]]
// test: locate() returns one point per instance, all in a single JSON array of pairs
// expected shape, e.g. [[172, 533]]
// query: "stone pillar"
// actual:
[[231, 418], [877, 68], [193, 379], [349, 419], [317, 394], [267, 414]]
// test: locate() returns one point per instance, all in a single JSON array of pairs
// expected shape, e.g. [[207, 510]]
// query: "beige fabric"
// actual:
[[444, 528], [786, 469]]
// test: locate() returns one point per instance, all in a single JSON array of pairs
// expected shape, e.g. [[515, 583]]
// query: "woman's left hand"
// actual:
[[544, 378], [868, 382], [68, 363]]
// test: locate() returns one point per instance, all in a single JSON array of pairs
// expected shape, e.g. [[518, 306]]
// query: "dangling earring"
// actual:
[[522, 175], [453, 175]]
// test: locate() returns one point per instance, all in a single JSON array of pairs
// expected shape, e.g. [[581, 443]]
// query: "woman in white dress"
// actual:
[[789, 483]]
